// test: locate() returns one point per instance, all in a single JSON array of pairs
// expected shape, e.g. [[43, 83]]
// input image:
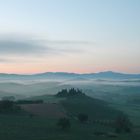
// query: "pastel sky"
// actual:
[[79, 36]]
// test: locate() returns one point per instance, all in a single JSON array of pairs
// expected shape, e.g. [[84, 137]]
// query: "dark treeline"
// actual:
[[69, 93], [7, 106], [29, 101]]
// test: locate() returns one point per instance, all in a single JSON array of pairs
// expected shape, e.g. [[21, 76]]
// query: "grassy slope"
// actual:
[[94, 108]]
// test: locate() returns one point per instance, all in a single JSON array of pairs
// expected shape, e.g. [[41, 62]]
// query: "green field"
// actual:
[[24, 127]]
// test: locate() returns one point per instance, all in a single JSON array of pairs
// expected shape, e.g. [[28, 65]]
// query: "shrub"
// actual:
[[123, 124], [83, 118], [64, 123]]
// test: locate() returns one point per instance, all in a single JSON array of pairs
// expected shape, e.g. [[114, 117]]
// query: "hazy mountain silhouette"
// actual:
[[65, 75]]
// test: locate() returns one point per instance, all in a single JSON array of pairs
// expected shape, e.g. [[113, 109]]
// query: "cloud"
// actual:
[[71, 46], [70, 42], [4, 60], [8, 60], [31, 47], [18, 47]]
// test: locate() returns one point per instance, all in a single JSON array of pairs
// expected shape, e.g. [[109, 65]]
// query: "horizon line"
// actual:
[[69, 72]]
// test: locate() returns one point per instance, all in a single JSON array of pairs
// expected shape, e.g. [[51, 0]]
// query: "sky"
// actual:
[[81, 36]]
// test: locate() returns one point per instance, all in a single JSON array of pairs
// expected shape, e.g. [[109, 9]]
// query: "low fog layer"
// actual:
[[112, 90]]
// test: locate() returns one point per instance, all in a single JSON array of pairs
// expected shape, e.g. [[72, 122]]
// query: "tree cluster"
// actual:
[[69, 93]]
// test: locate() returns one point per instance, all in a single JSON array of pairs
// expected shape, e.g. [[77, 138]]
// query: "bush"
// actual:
[[83, 118], [6, 106], [123, 124], [64, 123]]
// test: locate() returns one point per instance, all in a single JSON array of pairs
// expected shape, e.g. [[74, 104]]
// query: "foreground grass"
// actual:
[[23, 126], [13, 127]]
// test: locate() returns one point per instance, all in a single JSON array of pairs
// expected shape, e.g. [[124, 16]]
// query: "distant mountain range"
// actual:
[[65, 75]]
